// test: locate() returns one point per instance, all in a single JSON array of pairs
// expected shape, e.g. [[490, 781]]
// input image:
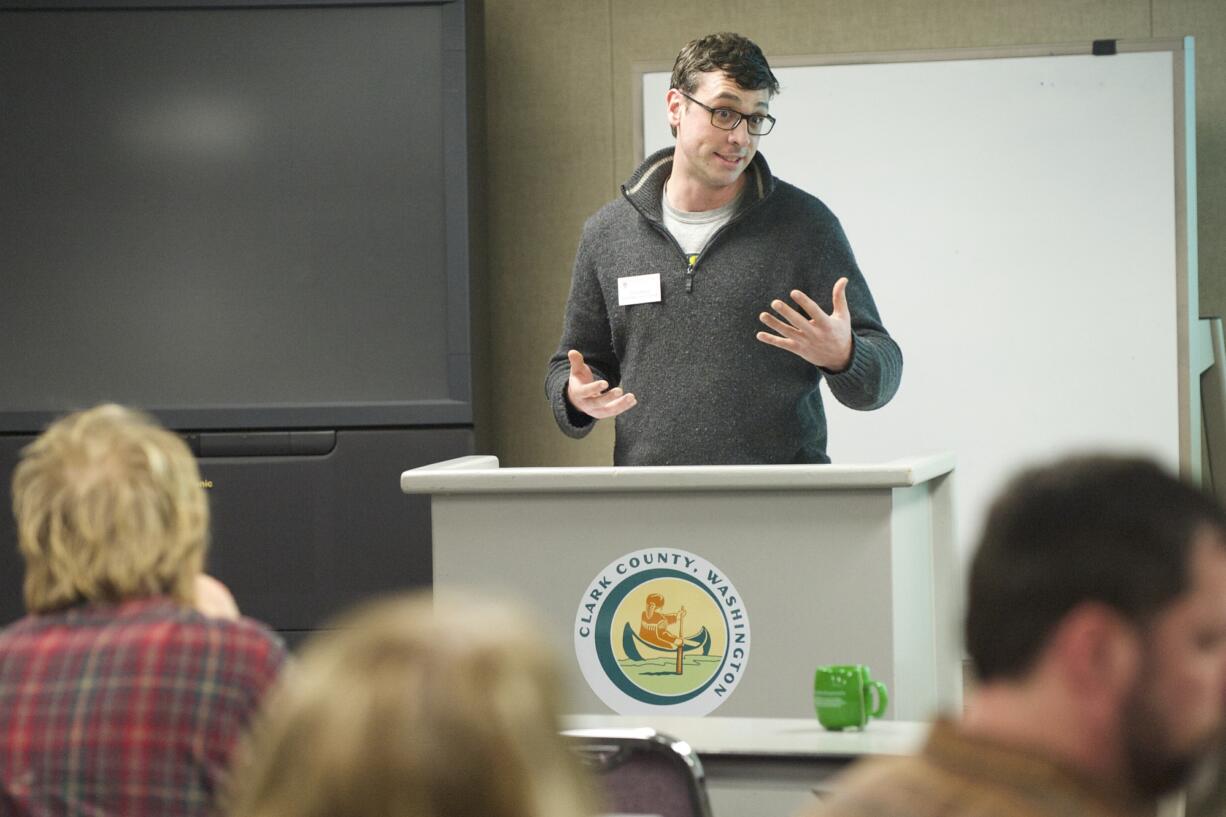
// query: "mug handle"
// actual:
[[883, 698]]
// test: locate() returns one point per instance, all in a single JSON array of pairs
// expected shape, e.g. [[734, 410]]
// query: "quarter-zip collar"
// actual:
[[644, 189]]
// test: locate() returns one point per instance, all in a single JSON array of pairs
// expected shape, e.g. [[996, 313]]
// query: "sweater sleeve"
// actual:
[[872, 377], [875, 371], [585, 328]]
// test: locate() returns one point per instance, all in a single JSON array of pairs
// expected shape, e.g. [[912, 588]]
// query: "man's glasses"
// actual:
[[758, 124]]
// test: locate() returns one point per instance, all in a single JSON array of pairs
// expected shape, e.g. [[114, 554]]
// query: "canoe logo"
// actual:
[[662, 630]]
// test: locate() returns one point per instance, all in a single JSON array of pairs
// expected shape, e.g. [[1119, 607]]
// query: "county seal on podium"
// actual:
[[662, 630]]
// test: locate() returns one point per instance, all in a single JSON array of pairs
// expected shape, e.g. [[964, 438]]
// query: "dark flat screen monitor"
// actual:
[[235, 215]]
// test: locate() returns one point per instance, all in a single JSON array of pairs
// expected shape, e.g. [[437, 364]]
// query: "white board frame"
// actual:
[[1141, 145]]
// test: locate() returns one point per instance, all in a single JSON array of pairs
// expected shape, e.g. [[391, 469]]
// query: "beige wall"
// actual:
[[560, 139]]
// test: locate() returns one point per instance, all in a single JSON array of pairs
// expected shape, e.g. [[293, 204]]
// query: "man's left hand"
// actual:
[[822, 339]]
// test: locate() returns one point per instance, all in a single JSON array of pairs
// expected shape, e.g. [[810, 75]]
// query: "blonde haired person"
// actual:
[[117, 695], [447, 709]]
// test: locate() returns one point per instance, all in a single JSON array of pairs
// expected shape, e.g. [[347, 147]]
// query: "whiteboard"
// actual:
[[1021, 223]]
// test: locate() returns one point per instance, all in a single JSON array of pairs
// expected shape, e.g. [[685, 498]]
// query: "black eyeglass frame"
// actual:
[[764, 117]]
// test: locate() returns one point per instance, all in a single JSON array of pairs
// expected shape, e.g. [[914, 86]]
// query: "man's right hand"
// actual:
[[594, 397]]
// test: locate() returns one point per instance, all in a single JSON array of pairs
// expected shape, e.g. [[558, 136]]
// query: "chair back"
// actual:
[[643, 772]]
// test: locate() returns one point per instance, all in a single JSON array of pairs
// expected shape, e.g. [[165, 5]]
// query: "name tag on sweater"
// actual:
[[638, 289]]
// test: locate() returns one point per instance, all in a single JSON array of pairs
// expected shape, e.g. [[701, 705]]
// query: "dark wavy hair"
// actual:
[[736, 56], [1113, 530]]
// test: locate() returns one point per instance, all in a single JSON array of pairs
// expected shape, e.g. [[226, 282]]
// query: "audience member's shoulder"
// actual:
[[237, 646], [249, 632], [216, 604], [16, 638], [157, 624], [894, 786], [246, 652], [19, 628]]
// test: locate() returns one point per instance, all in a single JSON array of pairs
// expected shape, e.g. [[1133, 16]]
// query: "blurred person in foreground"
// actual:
[[126, 686], [1096, 621], [414, 708]]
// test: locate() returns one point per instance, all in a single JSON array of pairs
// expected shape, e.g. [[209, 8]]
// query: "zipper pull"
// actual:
[[689, 273]]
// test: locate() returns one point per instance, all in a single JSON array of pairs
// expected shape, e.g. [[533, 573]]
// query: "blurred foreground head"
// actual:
[[436, 709], [109, 507], [1116, 531], [1100, 584]]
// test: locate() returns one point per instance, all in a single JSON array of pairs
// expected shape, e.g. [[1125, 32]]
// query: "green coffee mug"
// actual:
[[842, 694]]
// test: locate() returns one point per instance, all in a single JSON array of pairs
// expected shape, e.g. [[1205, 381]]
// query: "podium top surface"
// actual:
[[767, 737], [481, 474]]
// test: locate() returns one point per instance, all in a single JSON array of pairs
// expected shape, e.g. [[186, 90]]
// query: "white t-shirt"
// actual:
[[694, 230]]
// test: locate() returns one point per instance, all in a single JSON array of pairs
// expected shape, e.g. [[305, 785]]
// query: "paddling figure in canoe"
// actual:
[[655, 635], [655, 623]]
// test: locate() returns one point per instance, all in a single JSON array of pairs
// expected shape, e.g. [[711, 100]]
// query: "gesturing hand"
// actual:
[[594, 397], [823, 340], [213, 598]]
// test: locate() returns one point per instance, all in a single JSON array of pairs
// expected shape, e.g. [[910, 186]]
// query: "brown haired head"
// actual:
[[1113, 530], [109, 507], [737, 57], [443, 707]]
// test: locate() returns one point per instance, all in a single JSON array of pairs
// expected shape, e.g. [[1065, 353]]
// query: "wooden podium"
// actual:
[[835, 564]]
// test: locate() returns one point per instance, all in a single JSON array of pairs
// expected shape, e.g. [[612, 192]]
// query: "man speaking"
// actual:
[[709, 300]]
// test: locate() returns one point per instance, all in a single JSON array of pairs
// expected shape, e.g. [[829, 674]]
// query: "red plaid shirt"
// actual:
[[125, 710]]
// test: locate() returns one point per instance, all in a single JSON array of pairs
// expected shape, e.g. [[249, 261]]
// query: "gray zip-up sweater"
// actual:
[[708, 391]]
